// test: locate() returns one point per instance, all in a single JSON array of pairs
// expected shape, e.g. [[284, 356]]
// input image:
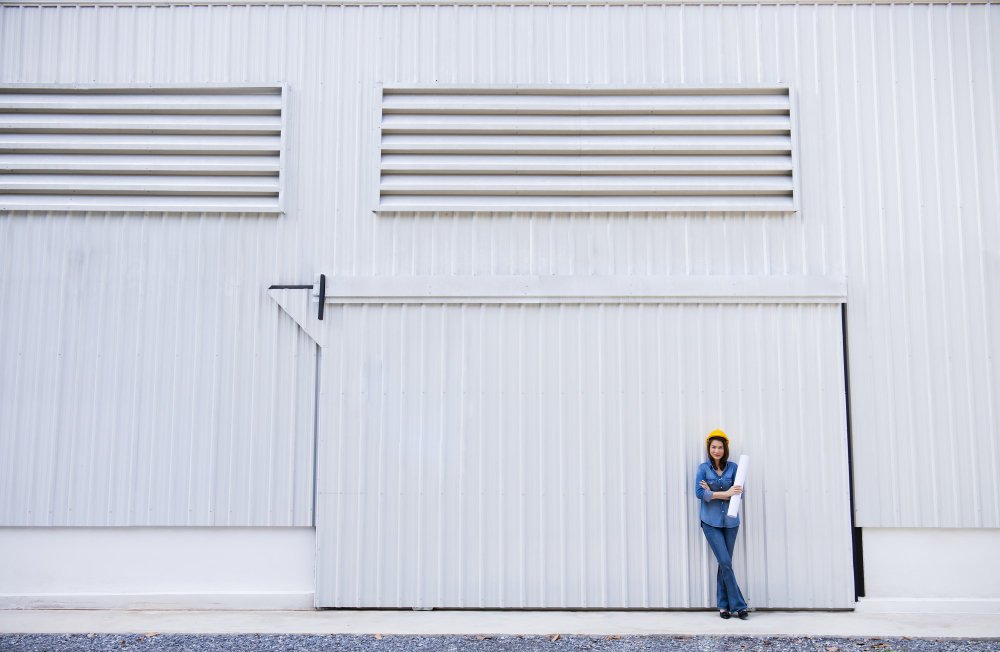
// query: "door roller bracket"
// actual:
[[321, 293], [322, 296]]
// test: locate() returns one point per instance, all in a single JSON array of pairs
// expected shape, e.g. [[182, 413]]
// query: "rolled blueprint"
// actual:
[[741, 476]]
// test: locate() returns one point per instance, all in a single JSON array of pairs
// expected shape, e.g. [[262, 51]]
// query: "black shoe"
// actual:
[[725, 615], [742, 614]]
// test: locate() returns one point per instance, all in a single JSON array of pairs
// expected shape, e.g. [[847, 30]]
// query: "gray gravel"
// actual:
[[352, 643]]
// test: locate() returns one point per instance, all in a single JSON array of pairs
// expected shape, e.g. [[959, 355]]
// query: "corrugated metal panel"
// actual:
[[924, 301], [530, 149], [544, 455], [140, 148], [896, 116], [147, 379]]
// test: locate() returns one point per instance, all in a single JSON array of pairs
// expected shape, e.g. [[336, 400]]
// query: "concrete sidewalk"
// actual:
[[530, 623]]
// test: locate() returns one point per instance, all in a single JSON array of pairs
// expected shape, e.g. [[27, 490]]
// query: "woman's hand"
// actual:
[[722, 495]]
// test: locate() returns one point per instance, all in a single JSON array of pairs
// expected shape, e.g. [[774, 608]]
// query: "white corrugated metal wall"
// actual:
[[899, 158], [543, 455], [143, 383]]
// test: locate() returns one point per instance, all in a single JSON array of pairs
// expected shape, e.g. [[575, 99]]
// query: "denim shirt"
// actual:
[[713, 512]]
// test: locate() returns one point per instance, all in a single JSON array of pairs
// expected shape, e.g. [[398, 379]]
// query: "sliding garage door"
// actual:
[[543, 455]]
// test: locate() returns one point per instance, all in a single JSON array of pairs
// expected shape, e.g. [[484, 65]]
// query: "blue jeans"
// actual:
[[722, 540]]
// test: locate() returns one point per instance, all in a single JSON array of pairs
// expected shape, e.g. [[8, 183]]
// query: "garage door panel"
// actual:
[[520, 455]]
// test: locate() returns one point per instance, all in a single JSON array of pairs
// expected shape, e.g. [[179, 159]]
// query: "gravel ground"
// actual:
[[555, 643]]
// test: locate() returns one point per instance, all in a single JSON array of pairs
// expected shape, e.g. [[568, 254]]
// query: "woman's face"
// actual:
[[716, 449]]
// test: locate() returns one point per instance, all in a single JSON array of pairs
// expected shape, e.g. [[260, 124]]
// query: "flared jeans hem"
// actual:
[[722, 540]]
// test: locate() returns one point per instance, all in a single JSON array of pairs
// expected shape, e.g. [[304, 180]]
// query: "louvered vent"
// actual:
[[141, 149], [569, 150]]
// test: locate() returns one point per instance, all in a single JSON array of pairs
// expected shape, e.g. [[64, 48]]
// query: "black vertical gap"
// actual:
[[859, 566]]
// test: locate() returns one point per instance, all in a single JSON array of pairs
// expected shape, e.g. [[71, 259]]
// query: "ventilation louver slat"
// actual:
[[210, 149], [585, 150]]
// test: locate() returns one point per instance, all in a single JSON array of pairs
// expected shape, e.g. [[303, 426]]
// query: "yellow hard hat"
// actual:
[[716, 433]]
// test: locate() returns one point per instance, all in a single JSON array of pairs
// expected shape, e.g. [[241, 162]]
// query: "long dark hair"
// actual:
[[725, 452]]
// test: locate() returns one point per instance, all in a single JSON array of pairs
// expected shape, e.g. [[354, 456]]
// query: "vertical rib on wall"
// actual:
[[899, 158]]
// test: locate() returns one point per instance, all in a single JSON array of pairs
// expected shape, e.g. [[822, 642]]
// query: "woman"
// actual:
[[714, 488]]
